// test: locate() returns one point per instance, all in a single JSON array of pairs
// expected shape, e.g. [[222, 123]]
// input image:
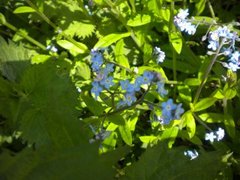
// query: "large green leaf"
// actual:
[[13, 59], [162, 163], [48, 103], [81, 162]]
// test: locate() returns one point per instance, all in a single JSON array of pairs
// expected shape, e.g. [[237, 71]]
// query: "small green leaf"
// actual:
[[192, 82], [116, 119], [212, 117], [94, 106], [126, 134], [110, 39], [148, 139], [189, 121], [230, 93], [139, 20], [170, 134], [185, 93], [82, 70], [40, 58], [218, 94], [24, 9], [230, 125], [200, 6], [176, 41], [74, 49], [204, 104]]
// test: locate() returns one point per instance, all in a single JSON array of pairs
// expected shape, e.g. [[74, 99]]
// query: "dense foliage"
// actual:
[[125, 89]]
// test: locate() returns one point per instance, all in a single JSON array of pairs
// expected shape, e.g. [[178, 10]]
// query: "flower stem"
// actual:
[[204, 80], [211, 9]]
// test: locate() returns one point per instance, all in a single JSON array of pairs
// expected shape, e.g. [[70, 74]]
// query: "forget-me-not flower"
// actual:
[[183, 23], [160, 55]]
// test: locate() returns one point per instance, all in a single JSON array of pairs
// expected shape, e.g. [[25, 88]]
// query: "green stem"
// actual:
[[204, 80], [201, 122], [19, 32], [172, 29], [211, 9]]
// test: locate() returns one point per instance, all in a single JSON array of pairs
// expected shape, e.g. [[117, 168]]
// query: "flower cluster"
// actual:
[[218, 135], [170, 111], [103, 80], [183, 23], [228, 39], [131, 88]]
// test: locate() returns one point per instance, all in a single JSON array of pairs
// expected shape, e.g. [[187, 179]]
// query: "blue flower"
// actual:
[[168, 106], [170, 111], [107, 82], [130, 98], [108, 69], [160, 89], [96, 89], [96, 59], [178, 112], [138, 82], [126, 85], [147, 77]]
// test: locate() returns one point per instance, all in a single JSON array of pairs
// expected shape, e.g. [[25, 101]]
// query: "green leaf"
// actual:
[[148, 139], [81, 70], [94, 106], [200, 6], [192, 82], [160, 162], [23, 9], [189, 120], [139, 20], [170, 134], [181, 66], [230, 125], [218, 94], [204, 104], [176, 41], [82, 29], [110, 39], [64, 164], [14, 59], [74, 49], [230, 93], [126, 134], [120, 55], [185, 93], [47, 107], [40, 58], [212, 117], [116, 119]]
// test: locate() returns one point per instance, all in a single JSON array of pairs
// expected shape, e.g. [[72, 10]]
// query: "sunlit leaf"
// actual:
[[24, 9]]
